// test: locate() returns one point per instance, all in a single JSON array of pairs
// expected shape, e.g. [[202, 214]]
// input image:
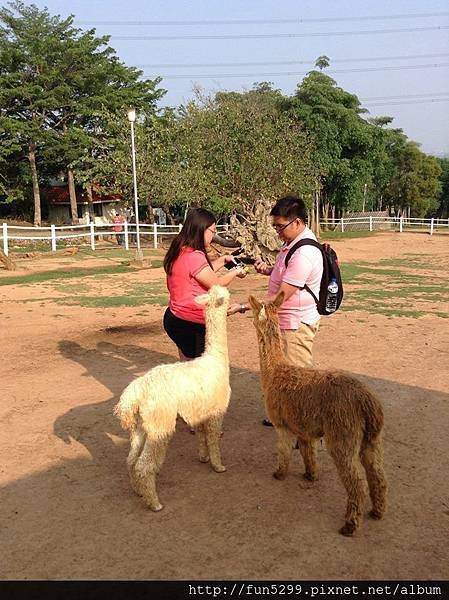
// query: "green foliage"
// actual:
[[60, 88], [414, 181], [443, 196], [242, 146]]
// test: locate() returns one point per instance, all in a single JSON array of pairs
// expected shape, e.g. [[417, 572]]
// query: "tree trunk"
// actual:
[[72, 193], [35, 180], [150, 214], [252, 229], [90, 202], [317, 227], [170, 219], [10, 265]]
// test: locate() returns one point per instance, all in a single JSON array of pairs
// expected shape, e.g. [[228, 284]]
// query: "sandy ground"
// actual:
[[68, 512]]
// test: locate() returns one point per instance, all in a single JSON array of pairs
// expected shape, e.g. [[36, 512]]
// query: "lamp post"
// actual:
[[131, 119]]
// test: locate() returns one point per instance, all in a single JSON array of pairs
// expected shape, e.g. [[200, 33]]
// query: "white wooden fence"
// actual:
[[91, 233], [373, 223], [88, 233]]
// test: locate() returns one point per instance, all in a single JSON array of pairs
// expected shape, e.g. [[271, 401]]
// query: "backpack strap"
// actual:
[[305, 242]]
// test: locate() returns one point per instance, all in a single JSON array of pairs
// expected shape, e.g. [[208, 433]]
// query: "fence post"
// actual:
[[53, 238], [342, 225], [370, 223], [5, 238], [400, 223], [155, 234], [180, 226], [92, 235], [126, 236], [431, 226]]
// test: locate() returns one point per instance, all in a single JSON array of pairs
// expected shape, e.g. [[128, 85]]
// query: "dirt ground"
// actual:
[[67, 510]]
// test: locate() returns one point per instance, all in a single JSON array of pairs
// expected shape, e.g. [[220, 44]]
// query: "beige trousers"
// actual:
[[298, 343]]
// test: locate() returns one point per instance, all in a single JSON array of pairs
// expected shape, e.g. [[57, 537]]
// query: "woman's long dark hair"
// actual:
[[191, 235]]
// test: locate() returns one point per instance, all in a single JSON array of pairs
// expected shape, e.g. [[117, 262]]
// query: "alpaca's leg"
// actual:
[[137, 440], [347, 461], [202, 443], [285, 441], [371, 456], [212, 428], [147, 467], [308, 453]]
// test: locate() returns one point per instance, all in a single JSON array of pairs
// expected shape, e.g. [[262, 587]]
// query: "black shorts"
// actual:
[[188, 336]]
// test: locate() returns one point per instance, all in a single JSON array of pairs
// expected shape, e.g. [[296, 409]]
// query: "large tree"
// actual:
[[57, 84], [345, 143]]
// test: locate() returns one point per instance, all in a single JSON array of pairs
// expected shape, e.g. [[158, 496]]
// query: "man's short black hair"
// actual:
[[290, 207]]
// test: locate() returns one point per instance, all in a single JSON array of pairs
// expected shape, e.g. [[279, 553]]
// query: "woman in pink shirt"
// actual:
[[190, 273]]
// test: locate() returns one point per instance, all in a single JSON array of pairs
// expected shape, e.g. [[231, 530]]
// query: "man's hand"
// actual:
[[233, 309], [262, 267]]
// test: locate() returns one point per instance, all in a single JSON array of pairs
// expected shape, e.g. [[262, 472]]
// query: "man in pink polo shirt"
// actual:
[[298, 315]]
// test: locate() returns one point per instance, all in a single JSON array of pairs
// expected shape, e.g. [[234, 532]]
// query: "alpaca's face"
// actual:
[[217, 297], [265, 314]]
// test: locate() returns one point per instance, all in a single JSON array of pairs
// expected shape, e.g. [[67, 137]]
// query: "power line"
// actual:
[[270, 21], [430, 100], [288, 62], [289, 73], [274, 35], [430, 95]]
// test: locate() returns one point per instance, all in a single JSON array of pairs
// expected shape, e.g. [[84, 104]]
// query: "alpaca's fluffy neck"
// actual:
[[216, 335], [270, 347]]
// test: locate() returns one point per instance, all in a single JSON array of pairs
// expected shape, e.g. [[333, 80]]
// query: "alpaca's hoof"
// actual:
[[348, 529], [310, 476], [204, 459], [156, 507], [219, 468], [375, 514], [279, 475]]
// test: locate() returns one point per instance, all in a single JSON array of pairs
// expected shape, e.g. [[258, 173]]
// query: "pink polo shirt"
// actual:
[[183, 286], [305, 266]]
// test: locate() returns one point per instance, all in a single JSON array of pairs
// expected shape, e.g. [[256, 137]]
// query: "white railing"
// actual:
[[372, 223], [89, 233], [127, 236]]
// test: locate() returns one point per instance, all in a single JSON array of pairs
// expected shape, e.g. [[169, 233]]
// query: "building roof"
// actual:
[[59, 194]]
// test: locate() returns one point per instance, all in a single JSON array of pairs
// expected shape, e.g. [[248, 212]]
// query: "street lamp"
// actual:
[[131, 119]]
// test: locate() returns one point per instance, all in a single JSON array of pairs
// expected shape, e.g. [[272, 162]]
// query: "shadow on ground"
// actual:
[[80, 519]]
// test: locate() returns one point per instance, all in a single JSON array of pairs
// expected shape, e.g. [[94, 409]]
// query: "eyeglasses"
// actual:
[[280, 228]]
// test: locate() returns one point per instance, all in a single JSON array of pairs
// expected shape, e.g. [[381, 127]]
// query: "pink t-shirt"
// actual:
[[305, 266], [183, 286]]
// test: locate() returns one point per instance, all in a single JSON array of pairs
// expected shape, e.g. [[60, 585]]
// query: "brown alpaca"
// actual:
[[308, 404]]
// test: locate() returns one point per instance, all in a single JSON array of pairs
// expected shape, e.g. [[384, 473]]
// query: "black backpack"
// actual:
[[331, 270]]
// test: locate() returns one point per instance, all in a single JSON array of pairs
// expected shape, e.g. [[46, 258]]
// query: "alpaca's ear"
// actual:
[[203, 299], [279, 299], [255, 304]]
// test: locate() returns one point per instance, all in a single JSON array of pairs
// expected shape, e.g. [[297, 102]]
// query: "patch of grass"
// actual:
[[353, 272], [338, 235], [396, 312], [112, 301], [73, 288], [69, 274]]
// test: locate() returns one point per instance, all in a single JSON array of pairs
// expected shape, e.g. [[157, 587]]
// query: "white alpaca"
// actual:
[[197, 390]]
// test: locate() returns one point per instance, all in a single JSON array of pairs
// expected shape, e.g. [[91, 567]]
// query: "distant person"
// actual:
[[191, 273], [298, 316], [118, 221]]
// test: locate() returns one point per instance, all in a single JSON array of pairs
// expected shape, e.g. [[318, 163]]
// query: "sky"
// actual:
[[403, 71]]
